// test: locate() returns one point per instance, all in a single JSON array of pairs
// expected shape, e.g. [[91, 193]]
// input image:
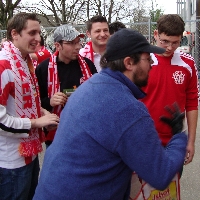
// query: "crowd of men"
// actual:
[[116, 106]]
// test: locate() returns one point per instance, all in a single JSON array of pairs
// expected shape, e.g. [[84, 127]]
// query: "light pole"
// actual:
[[104, 8]]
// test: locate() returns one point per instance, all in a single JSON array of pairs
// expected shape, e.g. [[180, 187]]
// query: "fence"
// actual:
[[191, 26], [146, 28]]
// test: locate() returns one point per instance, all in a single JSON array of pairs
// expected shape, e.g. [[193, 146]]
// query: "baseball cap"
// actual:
[[67, 33], [126, 42]]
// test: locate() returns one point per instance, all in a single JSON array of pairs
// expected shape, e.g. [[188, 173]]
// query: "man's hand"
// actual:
[[176, 119], [58, 98], [44, 111], [49, 119], [190, 150]]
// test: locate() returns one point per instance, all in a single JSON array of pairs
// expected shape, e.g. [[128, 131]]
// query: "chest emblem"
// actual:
[[178, 77], [81, 80], [40, 53]]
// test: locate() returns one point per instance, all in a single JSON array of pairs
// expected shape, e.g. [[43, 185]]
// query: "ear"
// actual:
[[14, 34], [155, 34], [57, 45], [88, 34], [129, 63]]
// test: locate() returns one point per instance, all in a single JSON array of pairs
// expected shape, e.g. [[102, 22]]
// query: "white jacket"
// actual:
[[9, 141]]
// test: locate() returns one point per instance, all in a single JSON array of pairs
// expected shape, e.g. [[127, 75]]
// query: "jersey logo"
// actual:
[[81, 80], [178, 77], [40, 53]]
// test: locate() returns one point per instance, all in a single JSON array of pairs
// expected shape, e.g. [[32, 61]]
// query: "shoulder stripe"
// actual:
[[183, 60]]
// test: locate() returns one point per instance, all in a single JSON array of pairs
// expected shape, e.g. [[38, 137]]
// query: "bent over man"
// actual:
[[105, 133]]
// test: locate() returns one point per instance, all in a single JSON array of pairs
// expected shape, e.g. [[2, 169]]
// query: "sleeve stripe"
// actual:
[[13, 130]]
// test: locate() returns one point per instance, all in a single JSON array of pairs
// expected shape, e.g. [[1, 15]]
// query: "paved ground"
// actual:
[[190, 181]]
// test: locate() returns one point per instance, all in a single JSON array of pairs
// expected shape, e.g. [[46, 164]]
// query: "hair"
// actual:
[[118, 65], [115, 26], [41, 40], [171, 25], [19, 22], [97, 18], [61, 44]]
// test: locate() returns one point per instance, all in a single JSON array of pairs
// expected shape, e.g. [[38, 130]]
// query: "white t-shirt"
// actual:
[[97, 58], [85, 53]]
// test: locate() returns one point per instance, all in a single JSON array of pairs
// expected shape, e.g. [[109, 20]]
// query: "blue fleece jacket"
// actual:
[[104, 135]]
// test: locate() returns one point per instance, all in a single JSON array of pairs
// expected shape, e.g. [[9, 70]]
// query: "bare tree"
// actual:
[[6, 11], [62, 10], [140, 17], [112, 9], [79, 11], [154, 11]]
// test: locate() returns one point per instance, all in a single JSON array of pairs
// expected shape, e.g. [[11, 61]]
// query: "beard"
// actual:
[[139, 79], [141, 83]]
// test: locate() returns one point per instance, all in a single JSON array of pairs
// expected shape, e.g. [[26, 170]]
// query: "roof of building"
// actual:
[[48, 20]]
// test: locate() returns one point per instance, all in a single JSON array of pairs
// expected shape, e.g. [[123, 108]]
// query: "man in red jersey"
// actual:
[[173, 78], [42, 53]]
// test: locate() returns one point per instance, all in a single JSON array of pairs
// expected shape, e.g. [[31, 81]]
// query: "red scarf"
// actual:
[[88, 51], [54, 84], [27, 101]]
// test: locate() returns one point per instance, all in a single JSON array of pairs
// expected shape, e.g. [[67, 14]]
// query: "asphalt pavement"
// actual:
[[190, 181]]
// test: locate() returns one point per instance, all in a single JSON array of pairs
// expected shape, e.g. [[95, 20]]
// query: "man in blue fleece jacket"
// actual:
[[105, 133]]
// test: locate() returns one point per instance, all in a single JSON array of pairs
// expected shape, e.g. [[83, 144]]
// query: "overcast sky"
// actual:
[[169, 6]]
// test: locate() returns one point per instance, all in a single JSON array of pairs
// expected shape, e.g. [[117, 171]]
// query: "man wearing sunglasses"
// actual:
[[173, 78]]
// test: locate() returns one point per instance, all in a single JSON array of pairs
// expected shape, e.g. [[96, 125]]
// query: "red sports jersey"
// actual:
[[42, 54], [172, 79]]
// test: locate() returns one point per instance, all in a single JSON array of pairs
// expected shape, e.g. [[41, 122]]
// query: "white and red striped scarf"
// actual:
[[88, 51], [53, 80], [27, 101]]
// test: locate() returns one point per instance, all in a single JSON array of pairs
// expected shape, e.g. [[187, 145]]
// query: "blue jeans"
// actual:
[[19, 183]]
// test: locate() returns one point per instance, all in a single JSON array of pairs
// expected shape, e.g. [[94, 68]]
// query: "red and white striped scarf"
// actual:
[[53, 80], [27, 101], [88, 51]]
